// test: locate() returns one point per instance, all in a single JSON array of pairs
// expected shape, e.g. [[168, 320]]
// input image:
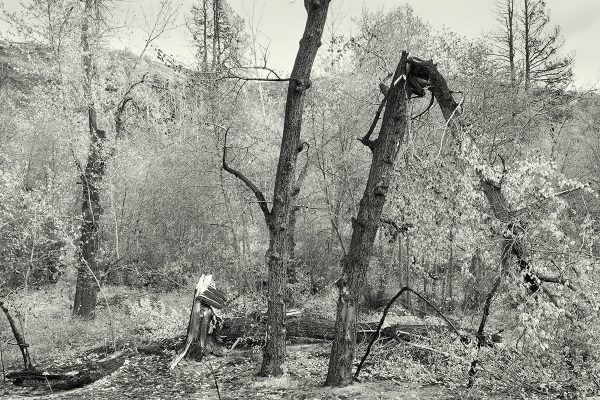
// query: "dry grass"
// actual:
[[54, 334]]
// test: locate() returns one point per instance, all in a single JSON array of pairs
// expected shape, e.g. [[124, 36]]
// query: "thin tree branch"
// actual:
[[123, 103], [381, 321], [480, 332], [366, 140], [262, 202]]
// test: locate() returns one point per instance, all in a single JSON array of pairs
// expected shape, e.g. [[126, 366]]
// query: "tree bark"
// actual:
[[285, 188], [364, 227], [87, 289], [278, 257]]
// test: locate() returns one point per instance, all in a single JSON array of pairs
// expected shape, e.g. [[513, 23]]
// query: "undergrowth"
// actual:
[[570, 367]]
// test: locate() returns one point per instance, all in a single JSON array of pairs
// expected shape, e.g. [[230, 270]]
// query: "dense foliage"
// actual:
[[170, 212]]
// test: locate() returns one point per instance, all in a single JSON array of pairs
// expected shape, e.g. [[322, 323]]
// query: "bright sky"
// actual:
[[281, 23]]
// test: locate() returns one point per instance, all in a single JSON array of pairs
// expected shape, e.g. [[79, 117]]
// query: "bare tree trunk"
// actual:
[[364, 227], [400, 261], [205, 38], [215, 49], [506, 16], [278, 254], [448, 300], [286, 187], [510, 22], [86, 290], [407, 299], [218, 31]]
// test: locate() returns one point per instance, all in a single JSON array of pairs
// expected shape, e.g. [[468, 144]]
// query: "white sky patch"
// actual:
[[280, 24]]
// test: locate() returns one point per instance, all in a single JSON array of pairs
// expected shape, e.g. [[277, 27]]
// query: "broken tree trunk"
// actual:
[[204, 321], [384, 149], [513, 243]]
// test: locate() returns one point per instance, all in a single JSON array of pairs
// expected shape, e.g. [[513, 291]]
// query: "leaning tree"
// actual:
[[385, 148]]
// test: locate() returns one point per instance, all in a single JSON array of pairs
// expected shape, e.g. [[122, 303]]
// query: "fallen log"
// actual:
[[251, 329], [70, 377]]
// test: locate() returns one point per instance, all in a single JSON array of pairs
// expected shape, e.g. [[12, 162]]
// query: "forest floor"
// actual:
[[130, 320], [149, 377]]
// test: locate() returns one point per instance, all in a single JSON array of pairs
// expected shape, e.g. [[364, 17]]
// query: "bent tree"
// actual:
[[385, 150], [513, 237], [279, 217]]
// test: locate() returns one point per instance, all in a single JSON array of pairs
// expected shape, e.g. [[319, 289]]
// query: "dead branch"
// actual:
[[122, 104], [262, 201], [427, 348], [366, 140], [386, 310]]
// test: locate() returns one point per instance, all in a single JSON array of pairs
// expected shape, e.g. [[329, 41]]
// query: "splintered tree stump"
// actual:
[[204, 322]]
